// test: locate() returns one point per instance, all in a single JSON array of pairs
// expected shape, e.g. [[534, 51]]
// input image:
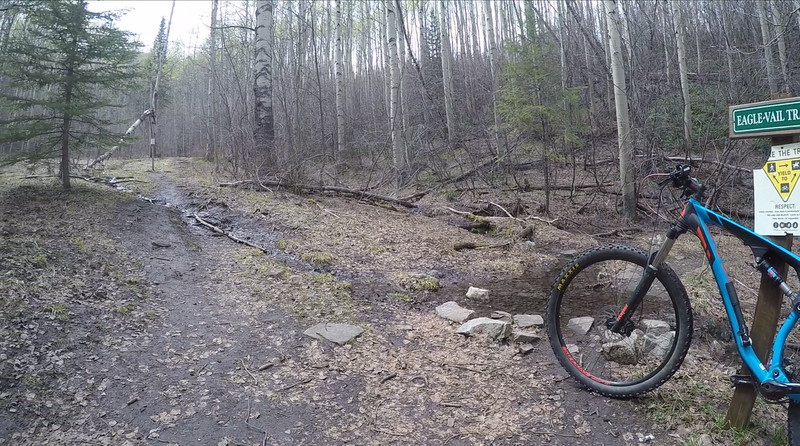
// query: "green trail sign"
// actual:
[[769, 118]]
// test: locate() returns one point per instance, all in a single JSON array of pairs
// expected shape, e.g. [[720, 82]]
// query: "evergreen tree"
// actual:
[[59, 73]]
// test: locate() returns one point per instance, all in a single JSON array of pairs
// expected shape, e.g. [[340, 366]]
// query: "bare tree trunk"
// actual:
[[667, 57], [626, 168], [340, 135], [779, 32], [610, 81], [154, 97], [394, 95], [726, 32], [264, 131], [447, 72], [681, 49], [401, 62], [493, 61], [211, 125], [767, 40]]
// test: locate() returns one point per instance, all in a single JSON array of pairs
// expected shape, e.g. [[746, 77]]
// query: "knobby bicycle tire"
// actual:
[[593, 288]]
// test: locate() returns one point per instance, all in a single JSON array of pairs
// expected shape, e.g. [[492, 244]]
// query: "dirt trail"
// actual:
[[220, 358]]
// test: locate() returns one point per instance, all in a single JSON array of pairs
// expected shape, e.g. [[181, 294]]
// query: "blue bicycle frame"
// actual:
[[696, 218]]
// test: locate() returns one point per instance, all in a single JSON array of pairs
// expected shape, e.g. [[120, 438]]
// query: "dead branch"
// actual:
[[552, 187], [471, 172], [703, 160], [470, 245], [502, 209], [616, 232], [255, 380], [227, 234], [549, 222], [298, 383], [358, 194]]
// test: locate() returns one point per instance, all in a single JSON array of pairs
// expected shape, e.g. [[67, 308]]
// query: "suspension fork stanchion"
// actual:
[[648, 277]]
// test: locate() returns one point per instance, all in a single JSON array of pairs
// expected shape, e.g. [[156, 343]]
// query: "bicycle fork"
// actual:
[[620, 324]]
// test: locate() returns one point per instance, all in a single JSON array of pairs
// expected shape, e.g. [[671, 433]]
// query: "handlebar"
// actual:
[[689, 185]]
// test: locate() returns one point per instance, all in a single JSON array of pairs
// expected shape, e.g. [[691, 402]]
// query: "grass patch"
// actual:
[[402, 297], [377, 250], [418, 282], [318, 257], [37, 261], [125, 309], [57, 312]]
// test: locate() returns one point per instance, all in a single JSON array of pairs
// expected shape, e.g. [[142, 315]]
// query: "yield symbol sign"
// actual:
[[783, 175]]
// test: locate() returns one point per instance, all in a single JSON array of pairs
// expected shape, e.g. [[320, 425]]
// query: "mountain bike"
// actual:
[[620, 321]]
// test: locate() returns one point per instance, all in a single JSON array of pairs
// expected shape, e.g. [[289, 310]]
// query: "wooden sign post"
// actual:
[[780, 120]]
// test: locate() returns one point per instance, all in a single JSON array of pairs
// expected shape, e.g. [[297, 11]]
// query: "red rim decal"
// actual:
[[583, 372]]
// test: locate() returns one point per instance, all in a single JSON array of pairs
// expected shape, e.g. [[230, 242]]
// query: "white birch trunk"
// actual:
[[154, 97], [131, 129], [447, 72], [340, 135], [493, 61], [264, 129], [680, 43], [394, 92], [626, 168]]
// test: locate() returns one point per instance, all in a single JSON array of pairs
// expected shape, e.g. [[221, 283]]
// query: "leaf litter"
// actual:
[[132, 327]]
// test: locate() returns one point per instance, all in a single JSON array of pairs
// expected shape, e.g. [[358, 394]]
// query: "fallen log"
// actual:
[[358, 194], [227, 234], [108, 154]]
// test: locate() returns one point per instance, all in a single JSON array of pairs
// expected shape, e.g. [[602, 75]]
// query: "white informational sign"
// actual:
[[777, 208]]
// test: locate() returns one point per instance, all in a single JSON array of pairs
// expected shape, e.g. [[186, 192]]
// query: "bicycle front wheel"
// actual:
[[586, 298]]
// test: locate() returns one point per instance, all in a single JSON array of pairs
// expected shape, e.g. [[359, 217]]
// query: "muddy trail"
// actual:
[[199, 340]]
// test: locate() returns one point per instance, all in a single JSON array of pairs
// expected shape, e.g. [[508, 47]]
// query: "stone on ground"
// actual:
[[625, 351], [528, 320], [338, 333], [501, 315], [658, 345], [525, 336], [477, 293], [492, 327], [453, 312], [580, 325], [655, 327]]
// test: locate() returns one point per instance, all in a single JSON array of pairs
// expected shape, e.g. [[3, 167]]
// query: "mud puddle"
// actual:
[[524, 294]]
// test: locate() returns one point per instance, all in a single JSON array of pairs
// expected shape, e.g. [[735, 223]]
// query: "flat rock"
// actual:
[[477, 293], [528, 320], [492, 327], [525, 348], [525, 336], [501, 315], [655, 327], [581, 325], [453, 312], [338, 333]]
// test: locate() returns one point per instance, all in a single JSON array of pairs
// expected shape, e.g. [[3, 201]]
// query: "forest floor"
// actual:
[[125, 322]]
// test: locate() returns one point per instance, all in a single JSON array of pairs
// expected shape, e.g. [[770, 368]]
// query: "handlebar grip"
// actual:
[[696, 188]]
